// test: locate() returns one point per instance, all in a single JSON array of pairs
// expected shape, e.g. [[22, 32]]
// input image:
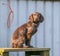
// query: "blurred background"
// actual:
[[14, 13]]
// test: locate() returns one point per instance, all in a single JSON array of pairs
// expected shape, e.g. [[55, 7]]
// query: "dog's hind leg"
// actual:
[[19, 45], [14, 45]]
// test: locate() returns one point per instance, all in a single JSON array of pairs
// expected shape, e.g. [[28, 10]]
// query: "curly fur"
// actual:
[[24, 33]]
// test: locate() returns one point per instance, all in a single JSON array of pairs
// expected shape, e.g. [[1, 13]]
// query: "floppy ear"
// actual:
[[41, 18], [31, 19]]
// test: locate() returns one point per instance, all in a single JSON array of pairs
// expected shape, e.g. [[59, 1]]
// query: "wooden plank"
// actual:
[[21, 13], [23, 49], [28, 51], [56, 36], [49, 25], [40, 32], [3, 27], [5, 54], [45, 53], [32, 53]]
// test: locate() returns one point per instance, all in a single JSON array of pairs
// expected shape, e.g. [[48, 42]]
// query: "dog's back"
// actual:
[[18, 36]]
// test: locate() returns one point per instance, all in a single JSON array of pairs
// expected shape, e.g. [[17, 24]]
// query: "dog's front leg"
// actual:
[[28, 40]]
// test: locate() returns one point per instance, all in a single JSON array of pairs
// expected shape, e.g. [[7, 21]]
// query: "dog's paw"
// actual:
[[25, 46], [30, 46]]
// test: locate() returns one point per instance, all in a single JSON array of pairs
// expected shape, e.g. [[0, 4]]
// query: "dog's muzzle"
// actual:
[[36, 22]]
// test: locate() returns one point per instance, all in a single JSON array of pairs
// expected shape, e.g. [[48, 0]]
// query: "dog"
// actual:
[[23, 34]]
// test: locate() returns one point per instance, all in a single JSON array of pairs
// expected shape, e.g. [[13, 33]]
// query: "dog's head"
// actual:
[[36, 17]]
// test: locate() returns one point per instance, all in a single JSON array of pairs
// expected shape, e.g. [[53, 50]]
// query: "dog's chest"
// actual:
[[32, 29]]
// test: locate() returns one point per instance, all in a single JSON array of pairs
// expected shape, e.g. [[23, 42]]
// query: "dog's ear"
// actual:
[[41, 18], [31, 19]]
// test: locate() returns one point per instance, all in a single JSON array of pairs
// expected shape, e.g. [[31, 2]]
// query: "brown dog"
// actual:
[[24, 33]]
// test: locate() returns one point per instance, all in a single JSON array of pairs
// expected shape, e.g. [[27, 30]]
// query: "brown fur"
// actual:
[[24, 33]]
